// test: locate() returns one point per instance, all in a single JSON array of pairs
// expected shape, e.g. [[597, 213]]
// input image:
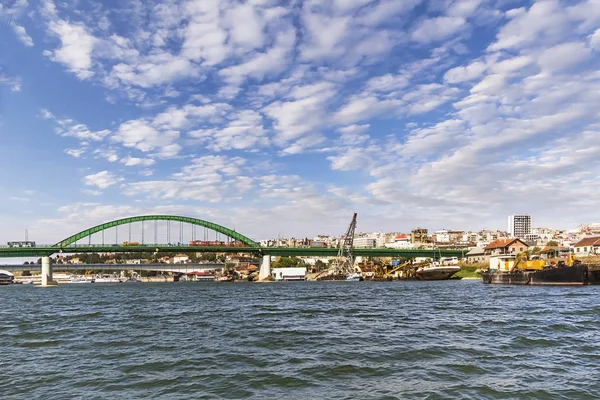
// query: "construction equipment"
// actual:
[[402, 266], [344, 262], [523, 263]]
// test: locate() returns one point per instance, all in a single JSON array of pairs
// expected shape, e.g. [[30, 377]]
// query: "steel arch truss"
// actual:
[[215, 227]]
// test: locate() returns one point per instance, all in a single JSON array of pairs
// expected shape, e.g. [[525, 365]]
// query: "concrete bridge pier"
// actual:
[[265, 268], [47, 279]]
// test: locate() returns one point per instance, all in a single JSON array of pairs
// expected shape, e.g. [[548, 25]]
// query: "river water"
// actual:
[[304, 340]]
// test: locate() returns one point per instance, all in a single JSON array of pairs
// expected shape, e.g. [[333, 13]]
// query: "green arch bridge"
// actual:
[[243, 245]]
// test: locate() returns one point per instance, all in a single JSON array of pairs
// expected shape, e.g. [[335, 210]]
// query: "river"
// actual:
[[299, 340]]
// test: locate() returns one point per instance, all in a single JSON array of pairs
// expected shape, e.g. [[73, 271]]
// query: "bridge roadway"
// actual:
[[44, 251], [159, 267]]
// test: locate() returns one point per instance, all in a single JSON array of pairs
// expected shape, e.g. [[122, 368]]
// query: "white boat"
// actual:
[[81, 279], [108, 279], [6, 277], [435, 272], [354, 277]]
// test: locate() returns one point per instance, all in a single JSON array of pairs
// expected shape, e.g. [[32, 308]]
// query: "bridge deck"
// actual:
[[41, 251]]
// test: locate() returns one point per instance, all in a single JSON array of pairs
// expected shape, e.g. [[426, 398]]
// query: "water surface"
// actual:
[[335, 340]]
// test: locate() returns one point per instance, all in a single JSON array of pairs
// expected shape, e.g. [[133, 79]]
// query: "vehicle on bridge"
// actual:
[[131, 243], [207, 243], [25, 243]]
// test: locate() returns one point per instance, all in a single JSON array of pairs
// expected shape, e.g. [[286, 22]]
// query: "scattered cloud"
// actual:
[[102, 179]]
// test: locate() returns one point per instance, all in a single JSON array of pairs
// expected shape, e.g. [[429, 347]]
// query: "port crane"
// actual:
[[344, 262]]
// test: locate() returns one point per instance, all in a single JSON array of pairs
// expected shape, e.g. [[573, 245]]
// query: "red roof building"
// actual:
[[587, 246], [506, 247]]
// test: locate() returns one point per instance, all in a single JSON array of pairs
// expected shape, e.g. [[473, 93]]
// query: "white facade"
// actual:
[[519, 225], [289, 274], [181, 258], [365, 242], [442, 236]]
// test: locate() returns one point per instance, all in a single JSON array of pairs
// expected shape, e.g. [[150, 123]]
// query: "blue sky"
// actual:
[[285, 117]]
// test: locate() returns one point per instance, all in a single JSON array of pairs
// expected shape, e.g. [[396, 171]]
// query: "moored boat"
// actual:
[[6, 277], [81, 279], [521, 271], [108, 279], [436, 272], [354, 277], [225, 278]]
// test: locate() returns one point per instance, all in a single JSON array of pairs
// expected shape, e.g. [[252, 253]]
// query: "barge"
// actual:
[[519, 270]]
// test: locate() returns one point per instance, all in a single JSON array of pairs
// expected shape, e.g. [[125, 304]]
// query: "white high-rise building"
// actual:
[[519, 225]]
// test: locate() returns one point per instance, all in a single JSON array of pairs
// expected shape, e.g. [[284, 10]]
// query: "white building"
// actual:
[[400, 242], [519, 225], [365, 242], [442, 236], [289, 274], [181, 258]]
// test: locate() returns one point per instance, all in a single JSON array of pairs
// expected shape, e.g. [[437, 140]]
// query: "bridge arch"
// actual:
[[123, 221]]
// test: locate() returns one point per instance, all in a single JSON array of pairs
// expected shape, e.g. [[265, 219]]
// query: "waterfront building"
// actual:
[[589, 245], [519, 225], [506, 247], [289, 274], [477, 255]]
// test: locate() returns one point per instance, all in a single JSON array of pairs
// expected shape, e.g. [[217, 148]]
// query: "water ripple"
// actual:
[[334, 340]]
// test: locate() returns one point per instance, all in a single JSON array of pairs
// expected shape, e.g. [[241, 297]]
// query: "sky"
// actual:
[[283, 118]]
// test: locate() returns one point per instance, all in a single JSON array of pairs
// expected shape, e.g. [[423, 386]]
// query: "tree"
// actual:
[[320, 265], [288, 262], [552, 243]]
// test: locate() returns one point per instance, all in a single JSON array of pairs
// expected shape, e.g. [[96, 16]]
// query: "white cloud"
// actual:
[[141, 135], [69, 128], [13, 82], [22, 35], [262, 64], [76, 152], [134, 161], [246, 26], [245, 131], [595, 40], [154, 70], [351, 159], [466, 73], [306, 112], [46, 114], [204, 37], [324, 35], [563, 56], [545, 21], [76, 47], [102, 179], [387, 83], [434, 29]]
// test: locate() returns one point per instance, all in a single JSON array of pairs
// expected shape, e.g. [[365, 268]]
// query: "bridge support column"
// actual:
[[47, 279], [265, 268]]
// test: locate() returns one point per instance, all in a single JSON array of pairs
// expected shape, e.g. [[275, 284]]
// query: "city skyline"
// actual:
[[285, 118]]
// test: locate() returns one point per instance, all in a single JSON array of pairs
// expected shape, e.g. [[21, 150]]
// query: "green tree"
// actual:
[[552, 243], [288, 262], [320, 265]]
